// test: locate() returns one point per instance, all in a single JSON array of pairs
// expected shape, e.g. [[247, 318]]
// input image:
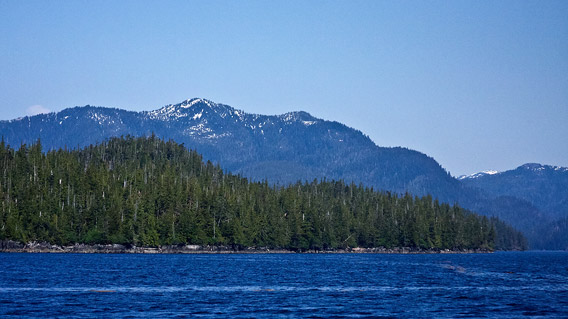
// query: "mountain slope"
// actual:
[[544, 186], [279, 148]]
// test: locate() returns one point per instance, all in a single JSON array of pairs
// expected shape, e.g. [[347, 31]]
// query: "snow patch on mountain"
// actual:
[[167, 113], [302, 117], [535, 167], [191, 102], [198, 115], [532, 167], [181, 110], [199, 129], [477, 175], [101, 118]]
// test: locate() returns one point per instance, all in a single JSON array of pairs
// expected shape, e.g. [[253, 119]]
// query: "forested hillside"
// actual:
[[279, 149], [145, 191], [543, 186]]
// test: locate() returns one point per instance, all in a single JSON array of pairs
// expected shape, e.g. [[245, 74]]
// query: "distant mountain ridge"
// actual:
[[278, 148], [544, 186]]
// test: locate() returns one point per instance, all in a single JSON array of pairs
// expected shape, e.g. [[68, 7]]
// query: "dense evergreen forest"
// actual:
[[145, 191]]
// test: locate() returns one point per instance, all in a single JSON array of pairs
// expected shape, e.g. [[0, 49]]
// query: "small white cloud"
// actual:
[[36, 109]]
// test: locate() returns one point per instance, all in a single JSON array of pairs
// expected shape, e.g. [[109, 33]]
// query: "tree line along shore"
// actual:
[[8, 246], [146, 192]]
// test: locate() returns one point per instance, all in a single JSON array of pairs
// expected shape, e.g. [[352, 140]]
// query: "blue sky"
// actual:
[[475, 84]]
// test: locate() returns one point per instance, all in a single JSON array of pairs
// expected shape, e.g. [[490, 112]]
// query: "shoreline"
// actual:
[[9, 246]]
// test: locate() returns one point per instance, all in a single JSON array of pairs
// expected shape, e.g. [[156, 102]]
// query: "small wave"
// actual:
[[260, 289]]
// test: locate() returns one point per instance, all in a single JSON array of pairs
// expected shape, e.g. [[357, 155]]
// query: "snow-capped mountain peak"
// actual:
[[530, 168], [190, 108], [301, 116], [536, 167], [477, 175], [191, 102]]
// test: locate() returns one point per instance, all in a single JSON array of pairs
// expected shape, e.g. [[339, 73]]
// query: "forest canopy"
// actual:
[[149, 192]]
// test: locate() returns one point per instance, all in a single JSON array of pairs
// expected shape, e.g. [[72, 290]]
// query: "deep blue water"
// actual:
[[500, 285]]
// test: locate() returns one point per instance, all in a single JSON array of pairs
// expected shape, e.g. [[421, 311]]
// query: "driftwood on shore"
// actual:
[[10, 246]]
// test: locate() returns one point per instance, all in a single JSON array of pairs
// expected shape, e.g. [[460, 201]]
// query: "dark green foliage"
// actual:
[[508, 238], [145, 191]]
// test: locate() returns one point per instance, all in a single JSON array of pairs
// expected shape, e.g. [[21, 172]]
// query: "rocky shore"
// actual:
[[9, 246]]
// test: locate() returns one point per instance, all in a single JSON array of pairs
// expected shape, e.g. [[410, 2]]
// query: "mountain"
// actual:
[[544, 186], [277, 148]]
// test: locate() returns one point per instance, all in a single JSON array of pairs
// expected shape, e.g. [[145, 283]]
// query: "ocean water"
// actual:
[[499, 285]]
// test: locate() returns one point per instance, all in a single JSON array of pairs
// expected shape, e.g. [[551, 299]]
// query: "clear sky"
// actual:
[[475, 84]]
